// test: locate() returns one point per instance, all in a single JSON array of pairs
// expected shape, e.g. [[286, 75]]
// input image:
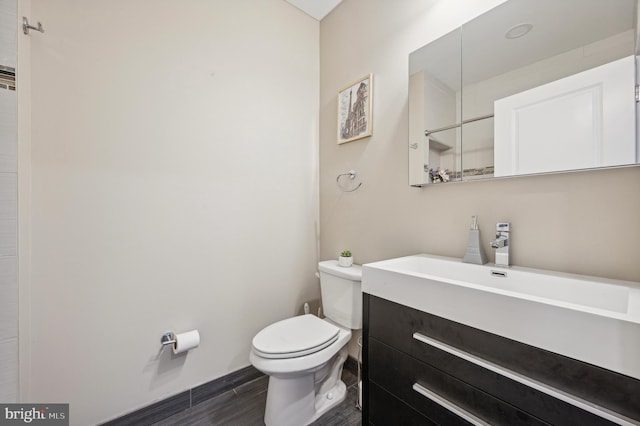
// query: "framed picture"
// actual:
[[354, 110]]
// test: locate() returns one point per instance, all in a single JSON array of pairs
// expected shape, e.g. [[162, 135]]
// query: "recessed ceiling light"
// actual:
[[518, 31]]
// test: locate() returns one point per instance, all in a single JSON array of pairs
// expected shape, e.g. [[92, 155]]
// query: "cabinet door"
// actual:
[[582, 121]]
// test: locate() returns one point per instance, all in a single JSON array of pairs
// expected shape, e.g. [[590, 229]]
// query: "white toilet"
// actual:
[[304, 355]]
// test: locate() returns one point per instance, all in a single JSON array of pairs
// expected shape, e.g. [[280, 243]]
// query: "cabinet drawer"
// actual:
[[399, 374], [395, 325], [385, 409], [533, 397]]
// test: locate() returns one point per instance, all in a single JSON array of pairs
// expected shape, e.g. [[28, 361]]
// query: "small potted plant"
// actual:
[[345, 259]]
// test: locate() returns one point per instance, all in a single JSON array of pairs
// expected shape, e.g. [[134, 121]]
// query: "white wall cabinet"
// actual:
[[564, 125]]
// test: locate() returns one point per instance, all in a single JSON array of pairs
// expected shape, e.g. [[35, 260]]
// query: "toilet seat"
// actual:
[[294, 337]]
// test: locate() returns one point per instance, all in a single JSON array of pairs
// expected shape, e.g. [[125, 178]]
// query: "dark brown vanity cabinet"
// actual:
[[420, 369]]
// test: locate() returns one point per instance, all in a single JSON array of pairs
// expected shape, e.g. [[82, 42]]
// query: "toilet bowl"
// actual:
[[302, 387], [303, 356]]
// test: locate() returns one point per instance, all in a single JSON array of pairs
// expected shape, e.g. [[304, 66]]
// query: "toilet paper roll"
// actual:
[[186, 341]]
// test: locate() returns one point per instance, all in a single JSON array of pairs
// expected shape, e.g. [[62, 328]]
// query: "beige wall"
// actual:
[[584, 222], [174, 186]]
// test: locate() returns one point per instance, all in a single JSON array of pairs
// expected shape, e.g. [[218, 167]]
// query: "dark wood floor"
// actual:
[[244, 406]]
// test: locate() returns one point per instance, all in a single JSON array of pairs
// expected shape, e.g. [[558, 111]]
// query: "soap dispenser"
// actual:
[[474, 253]]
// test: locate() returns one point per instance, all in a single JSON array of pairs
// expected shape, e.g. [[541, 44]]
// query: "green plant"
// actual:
[[345, 253]]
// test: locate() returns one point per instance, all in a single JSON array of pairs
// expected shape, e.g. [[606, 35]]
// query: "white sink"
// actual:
[[592, 319]]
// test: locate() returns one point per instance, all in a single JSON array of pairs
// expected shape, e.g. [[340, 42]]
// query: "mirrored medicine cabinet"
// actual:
[[528, 87]]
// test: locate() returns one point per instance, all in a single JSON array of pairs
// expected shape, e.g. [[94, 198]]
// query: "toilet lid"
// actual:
[[293, 337]]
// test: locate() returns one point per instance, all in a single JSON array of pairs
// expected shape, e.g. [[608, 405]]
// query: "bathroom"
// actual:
[[169, 159]]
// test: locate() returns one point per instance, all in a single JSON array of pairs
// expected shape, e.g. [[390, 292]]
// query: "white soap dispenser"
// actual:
[[475, 253]]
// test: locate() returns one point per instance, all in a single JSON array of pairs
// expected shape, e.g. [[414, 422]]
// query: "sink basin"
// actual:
[[592, 319]]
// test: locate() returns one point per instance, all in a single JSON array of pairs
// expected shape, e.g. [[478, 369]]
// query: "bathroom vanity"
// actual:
[[450, 343]]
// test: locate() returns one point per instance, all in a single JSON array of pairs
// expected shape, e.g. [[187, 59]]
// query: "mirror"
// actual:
[[528, 87]]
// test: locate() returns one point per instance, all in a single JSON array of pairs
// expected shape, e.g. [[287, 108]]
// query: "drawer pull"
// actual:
[[527, 381], [449, 405]]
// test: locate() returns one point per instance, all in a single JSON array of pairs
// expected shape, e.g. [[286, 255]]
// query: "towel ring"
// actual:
[[352, 175]]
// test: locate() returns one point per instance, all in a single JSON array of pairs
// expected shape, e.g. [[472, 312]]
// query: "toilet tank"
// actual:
[[341, 290]]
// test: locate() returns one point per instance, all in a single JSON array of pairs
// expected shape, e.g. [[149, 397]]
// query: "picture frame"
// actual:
[[355, 119]]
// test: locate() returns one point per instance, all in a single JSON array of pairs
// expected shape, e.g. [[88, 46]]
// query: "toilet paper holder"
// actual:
[[168, 338], [181, 342]]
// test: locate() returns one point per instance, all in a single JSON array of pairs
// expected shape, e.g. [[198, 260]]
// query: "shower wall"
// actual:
[[8, 204]]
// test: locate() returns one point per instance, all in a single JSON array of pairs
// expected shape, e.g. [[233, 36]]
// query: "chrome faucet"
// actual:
[[501, 244]]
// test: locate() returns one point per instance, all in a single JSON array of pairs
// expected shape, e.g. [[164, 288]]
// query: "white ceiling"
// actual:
[[317, 9]]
